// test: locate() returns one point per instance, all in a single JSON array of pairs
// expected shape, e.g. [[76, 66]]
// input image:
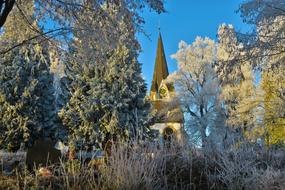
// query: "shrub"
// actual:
[[137, 166]]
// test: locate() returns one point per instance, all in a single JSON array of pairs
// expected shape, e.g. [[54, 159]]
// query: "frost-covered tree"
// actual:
[[57, 17], [229, 52], [63, 9], [197, 86], [268, 18], [243, 102], [240, 96], [107, 89], [267, 50], [26, 86]]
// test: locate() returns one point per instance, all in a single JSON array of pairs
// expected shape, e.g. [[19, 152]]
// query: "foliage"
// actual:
[[27, 101], [197, 84], [58, 18], [241, 96], [136, 166], [274, 106], [266, 52], [229, 51], [45, 70], [108, 92]]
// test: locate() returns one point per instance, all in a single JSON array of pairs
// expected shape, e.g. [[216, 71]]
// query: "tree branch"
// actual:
[[7, 9], [30, 39]]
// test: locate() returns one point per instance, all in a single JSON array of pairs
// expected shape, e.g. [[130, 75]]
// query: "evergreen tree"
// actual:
[[107, 89], [26, 85]]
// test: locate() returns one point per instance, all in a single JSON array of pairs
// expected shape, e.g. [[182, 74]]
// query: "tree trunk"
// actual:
[[204, 137]]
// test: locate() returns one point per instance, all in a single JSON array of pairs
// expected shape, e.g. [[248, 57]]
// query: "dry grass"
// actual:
[[176, 167]]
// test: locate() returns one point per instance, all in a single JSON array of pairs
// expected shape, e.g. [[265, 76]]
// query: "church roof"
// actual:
[[160, 67], [168, 111]]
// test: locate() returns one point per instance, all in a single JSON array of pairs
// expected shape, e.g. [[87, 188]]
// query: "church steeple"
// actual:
[[160, 67], [168, 115]]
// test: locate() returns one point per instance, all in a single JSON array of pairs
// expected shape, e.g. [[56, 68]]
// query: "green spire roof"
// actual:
[[160, 67]]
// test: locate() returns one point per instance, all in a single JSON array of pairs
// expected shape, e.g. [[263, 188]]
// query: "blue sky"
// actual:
[[184, 20]]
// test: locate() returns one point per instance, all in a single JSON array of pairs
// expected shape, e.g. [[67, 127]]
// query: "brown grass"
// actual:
[[148, 167]]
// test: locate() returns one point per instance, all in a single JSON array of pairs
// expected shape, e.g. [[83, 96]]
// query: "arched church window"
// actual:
[[168, 136]]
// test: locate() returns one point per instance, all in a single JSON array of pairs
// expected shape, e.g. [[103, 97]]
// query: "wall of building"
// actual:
[[176, 127]]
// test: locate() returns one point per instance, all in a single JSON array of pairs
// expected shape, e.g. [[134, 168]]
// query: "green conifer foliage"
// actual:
[[108, 91], [26, 85]]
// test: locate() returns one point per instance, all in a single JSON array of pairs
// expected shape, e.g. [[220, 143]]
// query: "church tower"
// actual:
[[169, 117]]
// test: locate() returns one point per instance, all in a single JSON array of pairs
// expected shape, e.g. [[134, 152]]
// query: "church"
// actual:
[[169, 118]]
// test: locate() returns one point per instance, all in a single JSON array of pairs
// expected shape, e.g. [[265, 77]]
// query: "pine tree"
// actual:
[[26, 85], [108, 92]]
